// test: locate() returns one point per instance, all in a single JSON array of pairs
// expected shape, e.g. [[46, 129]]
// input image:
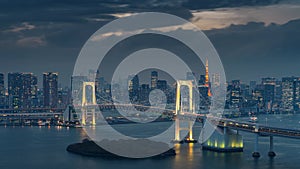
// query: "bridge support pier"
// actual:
[[271, 152], [83, 114], [256, 154], [189, 128], [93, 117]]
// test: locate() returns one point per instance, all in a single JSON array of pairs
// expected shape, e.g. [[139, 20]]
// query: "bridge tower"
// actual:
[[179, 111], [85, 104]]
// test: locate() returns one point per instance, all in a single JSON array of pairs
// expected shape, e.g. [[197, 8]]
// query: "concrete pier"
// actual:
[[256, 154], [271, 152]]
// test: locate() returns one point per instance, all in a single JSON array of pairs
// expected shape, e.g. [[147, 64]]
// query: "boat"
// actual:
[[41, 123], [253, 119]]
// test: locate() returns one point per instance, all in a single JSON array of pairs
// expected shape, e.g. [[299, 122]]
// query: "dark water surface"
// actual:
[[45, 148]]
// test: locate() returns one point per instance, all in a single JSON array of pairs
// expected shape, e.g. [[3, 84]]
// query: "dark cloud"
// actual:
[[254, 50], [38, 36]]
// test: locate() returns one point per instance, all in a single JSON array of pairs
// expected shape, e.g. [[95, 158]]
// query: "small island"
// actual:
[[90, 148]]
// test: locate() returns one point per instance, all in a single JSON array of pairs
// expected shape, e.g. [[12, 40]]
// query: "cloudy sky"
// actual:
[[253, 38]]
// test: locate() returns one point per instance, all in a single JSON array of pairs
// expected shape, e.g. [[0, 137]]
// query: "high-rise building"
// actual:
[[64, 97], [22, 90], [50, 88], [144, 94], [216, 79], [202, 80], [269, 84], [288, 89], [162, 85], [234, 91], [269, 96], [252, 86], [297, 95], [2, 92], [133, 88], [154, 79]]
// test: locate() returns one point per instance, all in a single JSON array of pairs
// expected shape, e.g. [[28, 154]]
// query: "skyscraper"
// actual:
[[2, 91], [50, 88], [162, 85], [133, 88], [297, 95], [288, 84], [22, 90], [154, 78]]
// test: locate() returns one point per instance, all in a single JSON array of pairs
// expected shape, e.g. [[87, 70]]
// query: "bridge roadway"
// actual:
[[262, 130], [256, 128]]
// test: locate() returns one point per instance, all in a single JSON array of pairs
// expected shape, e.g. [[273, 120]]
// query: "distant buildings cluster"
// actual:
[[268, 96], [23, 95]]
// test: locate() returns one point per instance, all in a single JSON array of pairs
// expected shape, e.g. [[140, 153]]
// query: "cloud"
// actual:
[[31, 42], [23, 27], [117, 33], [224, 17]]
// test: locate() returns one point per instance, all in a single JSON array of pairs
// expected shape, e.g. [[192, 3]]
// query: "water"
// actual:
[[45, 147]]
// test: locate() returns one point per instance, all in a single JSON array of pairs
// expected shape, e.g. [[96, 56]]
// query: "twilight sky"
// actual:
[[253, 38]]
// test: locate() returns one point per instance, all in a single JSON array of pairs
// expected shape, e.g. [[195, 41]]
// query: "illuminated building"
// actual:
[[2, 92], [133, 88], [22, 90], [207, 83], [288, 93]]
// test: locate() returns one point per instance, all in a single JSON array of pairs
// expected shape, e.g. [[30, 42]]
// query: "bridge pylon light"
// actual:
[[180, 111], [85, 105]]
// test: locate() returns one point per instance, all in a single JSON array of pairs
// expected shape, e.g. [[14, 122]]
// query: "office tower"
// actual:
[[2, 92], [234, 90], [162, 85], [204, 98], [278, 94], [22, 90], [154, 78], [64, 97], [202, 80], [297, 95], [216, 79], [133, 88], [287, 99], [252, 86], [268, 96], [268, 92], [144, 94], [50, 88]]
